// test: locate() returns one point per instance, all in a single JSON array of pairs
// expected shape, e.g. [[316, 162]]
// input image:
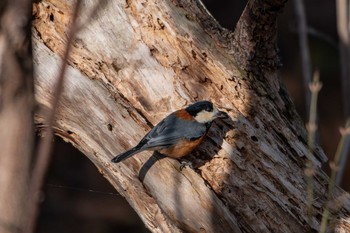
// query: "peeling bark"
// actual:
[[136, 62]]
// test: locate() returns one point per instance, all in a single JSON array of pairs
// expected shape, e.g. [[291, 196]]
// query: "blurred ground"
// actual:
[[85, 211]]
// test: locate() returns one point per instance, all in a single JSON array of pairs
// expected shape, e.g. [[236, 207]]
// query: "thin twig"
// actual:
[[345, 132], [323, 36], [304, 48], [313, 32], [311, 126], [344, 47], [343, 161], [45, 146]]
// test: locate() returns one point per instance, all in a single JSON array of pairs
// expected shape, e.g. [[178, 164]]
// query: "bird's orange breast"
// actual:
[[182, 148]]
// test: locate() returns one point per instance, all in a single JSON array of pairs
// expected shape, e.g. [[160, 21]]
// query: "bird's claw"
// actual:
[[185, 163]]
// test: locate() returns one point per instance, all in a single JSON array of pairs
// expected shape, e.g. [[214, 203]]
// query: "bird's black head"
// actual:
[[199, 106], [203, 111]]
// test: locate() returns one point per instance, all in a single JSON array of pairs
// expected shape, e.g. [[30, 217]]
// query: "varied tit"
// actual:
[[177, 134]]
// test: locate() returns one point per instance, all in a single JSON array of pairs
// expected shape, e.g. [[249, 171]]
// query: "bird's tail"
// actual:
[[126, 154]]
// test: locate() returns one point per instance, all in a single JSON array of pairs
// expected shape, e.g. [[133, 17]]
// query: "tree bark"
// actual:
[[136, 61]]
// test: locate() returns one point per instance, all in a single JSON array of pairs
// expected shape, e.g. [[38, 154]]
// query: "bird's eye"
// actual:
[[208, 109]]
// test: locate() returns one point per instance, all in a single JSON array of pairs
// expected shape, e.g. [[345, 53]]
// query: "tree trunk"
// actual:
[[136, 61], [16, 112]]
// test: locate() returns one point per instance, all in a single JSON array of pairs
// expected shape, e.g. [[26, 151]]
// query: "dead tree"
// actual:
[[134, 62]]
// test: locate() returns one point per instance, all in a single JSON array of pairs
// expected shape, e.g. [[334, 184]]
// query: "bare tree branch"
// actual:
[[16, 112]]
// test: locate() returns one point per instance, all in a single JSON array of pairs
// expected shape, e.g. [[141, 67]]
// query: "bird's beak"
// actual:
[[221, 114]]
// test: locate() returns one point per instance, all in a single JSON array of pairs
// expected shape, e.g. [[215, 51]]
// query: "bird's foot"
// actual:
[[185, 163]]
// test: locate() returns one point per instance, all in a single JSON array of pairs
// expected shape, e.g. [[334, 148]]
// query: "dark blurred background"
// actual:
[[72, 175]]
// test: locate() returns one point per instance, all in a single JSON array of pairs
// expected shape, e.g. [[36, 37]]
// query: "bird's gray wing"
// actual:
[[172, 129]]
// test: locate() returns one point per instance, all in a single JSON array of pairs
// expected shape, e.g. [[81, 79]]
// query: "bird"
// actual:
[[178, 133]]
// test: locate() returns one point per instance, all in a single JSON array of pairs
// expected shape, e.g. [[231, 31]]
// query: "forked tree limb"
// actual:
[[140, 60]]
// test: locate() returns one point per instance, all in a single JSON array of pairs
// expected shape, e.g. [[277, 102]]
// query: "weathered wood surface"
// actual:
[[135, 62]]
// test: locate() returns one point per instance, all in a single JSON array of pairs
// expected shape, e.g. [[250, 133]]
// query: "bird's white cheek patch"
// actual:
[[204, 116]]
